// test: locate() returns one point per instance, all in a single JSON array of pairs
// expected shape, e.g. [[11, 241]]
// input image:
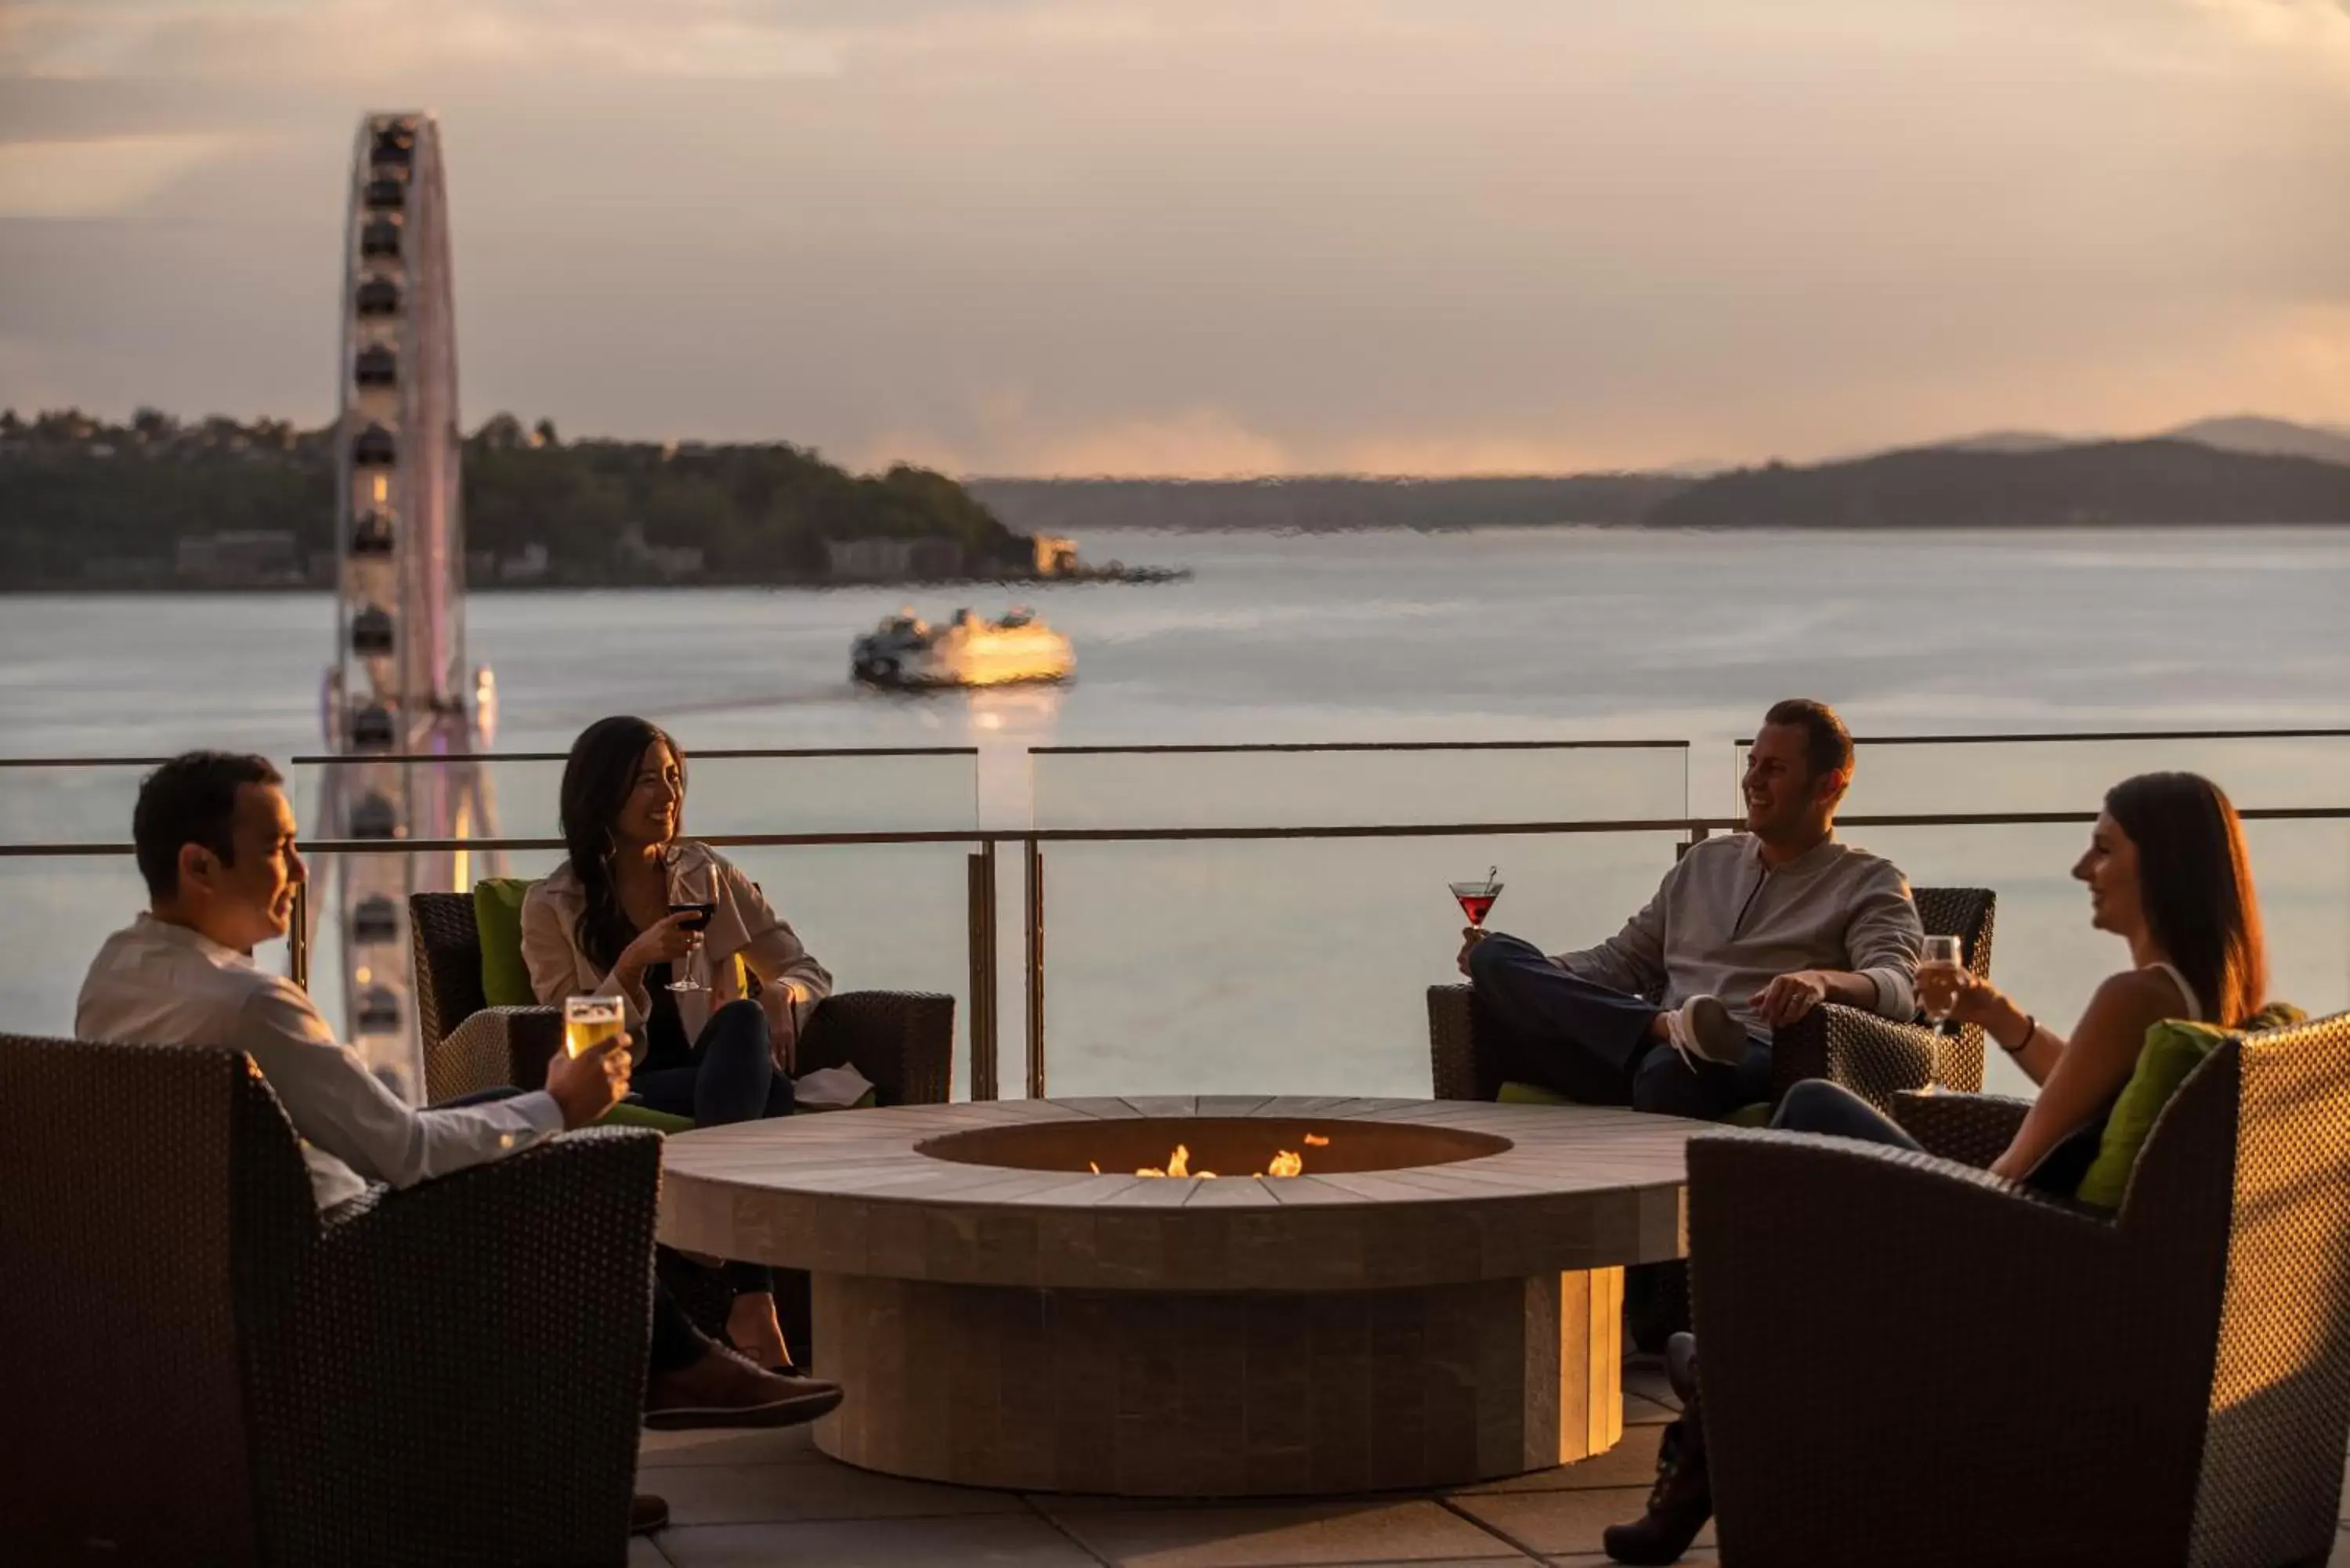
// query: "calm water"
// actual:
[[1296, 967]]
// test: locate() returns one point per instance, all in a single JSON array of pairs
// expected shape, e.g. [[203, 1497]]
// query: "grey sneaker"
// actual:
[[1704, 1028]]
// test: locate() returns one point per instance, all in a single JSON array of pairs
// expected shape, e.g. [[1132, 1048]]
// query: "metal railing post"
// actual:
[[982, 937], [297, 937], [1035, 886]]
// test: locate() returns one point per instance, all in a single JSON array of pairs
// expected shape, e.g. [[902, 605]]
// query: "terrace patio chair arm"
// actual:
[[1883, 1330], [902, 1041], [1874, 1057], [1974, 1129], [494, 1046], [1452, 1045], [479, 1340]]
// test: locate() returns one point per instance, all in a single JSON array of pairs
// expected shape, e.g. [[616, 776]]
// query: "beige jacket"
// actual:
[[791, 982]]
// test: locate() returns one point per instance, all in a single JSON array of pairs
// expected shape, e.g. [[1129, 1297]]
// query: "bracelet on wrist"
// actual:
[[2031, 1028]]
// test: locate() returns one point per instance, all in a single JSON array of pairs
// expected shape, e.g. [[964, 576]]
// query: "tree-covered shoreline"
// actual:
[[88, 503]]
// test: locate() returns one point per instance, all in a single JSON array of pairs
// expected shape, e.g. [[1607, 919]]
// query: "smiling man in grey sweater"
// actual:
[[1747, 934]]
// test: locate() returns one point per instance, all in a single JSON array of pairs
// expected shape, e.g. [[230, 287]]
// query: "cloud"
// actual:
[[2293, 24], [1200, 441], [1213, 236], [101, 177], [365, 40]]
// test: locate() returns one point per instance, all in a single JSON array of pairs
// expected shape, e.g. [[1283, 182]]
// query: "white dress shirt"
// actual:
[[156, 984]]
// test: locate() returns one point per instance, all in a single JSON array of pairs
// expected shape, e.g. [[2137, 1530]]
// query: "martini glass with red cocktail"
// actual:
[[1477, 898]]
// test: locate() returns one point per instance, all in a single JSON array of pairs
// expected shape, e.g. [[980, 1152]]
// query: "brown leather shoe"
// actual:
[[647, 1513], [722, 1390]]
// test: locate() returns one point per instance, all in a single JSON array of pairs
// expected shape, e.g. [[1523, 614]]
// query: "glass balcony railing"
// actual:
[[1217, 918]]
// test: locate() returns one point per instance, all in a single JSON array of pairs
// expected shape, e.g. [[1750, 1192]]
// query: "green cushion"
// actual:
[[625, 1114], [2173, 1049], [497, 915], [1757, 1114]]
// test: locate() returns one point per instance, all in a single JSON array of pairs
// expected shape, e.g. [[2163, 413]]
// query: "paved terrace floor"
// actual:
[[754, 1499]]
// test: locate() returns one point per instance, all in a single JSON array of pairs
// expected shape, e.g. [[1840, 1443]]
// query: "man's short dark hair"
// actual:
[[1827, 744], [192, 799]]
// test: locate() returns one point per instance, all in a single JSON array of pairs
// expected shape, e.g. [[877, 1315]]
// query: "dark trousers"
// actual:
[[729, 1075], [1816, 1106], [1539, 1025], [676, 1343]]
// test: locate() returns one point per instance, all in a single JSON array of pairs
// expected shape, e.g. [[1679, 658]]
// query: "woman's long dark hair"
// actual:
[[596, 782], [2194, 883]]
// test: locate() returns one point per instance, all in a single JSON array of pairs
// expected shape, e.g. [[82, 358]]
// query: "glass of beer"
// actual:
[[590, 1021], [1940, 972]]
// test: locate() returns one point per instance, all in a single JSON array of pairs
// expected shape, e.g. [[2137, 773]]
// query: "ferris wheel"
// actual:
[[400, 701]]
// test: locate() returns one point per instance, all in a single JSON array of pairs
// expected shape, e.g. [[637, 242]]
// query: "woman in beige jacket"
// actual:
[[606, 923]]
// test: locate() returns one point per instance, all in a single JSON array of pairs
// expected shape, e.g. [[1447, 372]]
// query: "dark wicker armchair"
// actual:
[[1874, 1057], [903, 1042], [1908, 1360], [202, 1369]]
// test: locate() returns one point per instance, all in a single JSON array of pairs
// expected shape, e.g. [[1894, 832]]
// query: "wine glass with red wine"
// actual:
[[1478, 898], [693, 893]]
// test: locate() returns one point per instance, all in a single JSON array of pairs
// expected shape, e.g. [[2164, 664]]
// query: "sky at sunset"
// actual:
[[1213, 236]]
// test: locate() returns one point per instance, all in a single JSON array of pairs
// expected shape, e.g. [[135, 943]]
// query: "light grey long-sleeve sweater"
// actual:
[[1724, 924]]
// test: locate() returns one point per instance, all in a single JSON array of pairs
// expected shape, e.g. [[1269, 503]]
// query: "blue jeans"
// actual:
[[730, 1077], [1591, 1042], [733, 1078], [1819, 1107], [1816, 1106]]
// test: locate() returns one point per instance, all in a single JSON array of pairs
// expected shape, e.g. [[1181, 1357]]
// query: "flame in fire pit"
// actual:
[[1284, 1162]]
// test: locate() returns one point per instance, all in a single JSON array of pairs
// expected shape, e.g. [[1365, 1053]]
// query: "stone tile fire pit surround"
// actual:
[[1436, 1300]]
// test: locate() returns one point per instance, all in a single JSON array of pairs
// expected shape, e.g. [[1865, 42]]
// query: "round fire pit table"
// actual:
[[1436, 1298]]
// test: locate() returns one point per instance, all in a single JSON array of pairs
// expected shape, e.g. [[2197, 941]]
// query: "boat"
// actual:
[[905, 651]]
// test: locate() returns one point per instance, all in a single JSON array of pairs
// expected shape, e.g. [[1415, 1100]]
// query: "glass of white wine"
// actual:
[[1940, 972], [590, 1021]]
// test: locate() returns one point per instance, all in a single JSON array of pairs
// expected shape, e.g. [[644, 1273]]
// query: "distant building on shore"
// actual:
[[668, 561], [887, 559], [260, 557], [530, 566]]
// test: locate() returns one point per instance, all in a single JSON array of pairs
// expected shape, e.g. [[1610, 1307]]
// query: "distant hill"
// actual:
[[2239, 432], [2273, 438], [2003, 480], [2106, 482], [2008, 440], [1319, 504]]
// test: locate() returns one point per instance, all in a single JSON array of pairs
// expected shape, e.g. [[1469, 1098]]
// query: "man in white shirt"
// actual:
[[214, 838]]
